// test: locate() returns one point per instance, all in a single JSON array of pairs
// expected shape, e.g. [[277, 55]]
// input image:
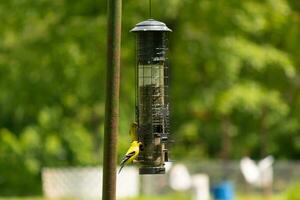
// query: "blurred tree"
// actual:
[[234, 81], [235, 54]]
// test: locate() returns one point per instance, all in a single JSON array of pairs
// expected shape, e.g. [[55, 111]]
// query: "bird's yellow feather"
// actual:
[[131, 154]]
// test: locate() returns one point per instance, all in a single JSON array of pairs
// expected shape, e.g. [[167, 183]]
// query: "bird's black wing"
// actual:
[[127, 156]]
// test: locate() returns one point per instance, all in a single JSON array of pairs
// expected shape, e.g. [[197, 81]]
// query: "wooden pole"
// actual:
[[112, 99]]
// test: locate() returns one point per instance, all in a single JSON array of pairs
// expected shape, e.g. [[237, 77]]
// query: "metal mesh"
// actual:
[[152, 97]]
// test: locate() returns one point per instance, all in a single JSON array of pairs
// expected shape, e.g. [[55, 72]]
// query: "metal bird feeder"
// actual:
[[152, 102]]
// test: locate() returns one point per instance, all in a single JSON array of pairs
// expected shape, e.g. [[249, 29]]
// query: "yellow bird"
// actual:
[[131, 154], [133, 131]]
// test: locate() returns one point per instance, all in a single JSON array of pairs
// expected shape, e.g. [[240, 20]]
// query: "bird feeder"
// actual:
[[152, 102]]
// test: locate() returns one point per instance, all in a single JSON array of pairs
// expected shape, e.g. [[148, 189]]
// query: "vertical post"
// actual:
[[112, 99]]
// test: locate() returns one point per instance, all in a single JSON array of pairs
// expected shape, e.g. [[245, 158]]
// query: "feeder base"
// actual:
[[152, 170]]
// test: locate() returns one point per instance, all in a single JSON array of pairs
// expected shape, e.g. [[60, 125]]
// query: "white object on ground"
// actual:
[[201, 184], [168, 166], [259, 175], [266, 171], [180, 178], [249, 170]]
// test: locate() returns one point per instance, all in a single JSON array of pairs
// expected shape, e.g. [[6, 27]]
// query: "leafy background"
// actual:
[[234, 82]]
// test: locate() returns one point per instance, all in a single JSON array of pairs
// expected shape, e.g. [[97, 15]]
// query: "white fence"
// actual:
[[86, 183]]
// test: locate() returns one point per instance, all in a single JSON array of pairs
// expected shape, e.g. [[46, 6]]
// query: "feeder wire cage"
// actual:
[[152, 95]]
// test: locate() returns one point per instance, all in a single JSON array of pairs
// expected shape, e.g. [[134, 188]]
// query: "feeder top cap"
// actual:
[[151, 25]]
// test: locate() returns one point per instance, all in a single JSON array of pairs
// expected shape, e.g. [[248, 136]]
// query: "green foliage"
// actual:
[[234, 64], [293, 192], [250, 98], [14, 165]]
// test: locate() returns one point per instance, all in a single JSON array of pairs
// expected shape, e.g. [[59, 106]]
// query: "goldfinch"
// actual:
[[131, 154]]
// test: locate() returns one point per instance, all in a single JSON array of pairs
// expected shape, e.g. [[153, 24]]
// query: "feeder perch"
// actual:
[[152, 102]]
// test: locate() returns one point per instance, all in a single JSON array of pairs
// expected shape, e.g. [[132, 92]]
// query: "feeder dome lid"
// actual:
[[151, 25]]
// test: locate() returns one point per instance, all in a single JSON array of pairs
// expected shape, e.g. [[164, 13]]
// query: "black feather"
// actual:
[[127, 157]]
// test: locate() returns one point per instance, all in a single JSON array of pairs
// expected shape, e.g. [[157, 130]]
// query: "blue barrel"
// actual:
[[223, 191]]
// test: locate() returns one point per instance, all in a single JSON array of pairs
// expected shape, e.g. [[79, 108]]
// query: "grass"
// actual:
[[177, 196], [186, 197]]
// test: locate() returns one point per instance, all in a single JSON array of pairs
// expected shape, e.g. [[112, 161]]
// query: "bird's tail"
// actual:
[[120, 169]]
